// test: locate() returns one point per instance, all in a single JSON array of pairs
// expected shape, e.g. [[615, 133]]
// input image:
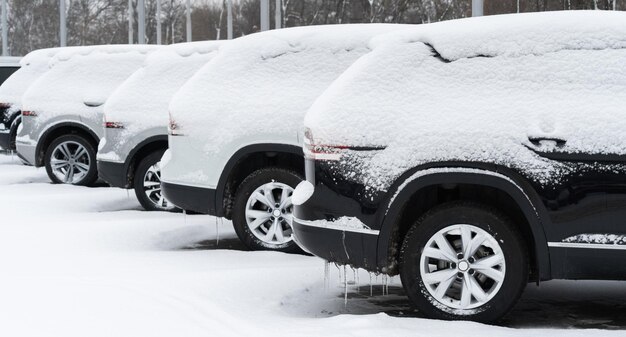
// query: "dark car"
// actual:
[[473, 157], [9, 118]]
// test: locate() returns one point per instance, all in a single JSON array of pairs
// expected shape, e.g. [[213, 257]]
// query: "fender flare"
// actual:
[[133, 153], [502, 179], [238, 156]]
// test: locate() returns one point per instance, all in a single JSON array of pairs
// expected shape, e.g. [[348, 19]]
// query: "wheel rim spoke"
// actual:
[[270, 205], [461, 280]]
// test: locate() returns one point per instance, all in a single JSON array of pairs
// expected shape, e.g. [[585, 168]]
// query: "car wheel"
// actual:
[[262, 213], [464, 261], [147, 184], [71, 159]]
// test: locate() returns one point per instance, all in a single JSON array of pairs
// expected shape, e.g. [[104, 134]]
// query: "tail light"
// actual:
[[113, 125], [321, 152], [29, 114]]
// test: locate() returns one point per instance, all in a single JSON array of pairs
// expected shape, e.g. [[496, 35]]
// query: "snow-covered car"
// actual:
[[62, 119], [11, 88], [234, 145], [473, 156], [136, 118]]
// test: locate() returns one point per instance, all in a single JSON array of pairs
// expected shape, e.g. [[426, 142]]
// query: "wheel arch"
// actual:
[[143, 149], [60, 129], [247, 160], [506, 181]]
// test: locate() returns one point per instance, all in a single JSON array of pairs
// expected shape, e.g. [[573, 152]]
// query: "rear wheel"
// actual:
[[464, 261], [262, 213], [71, 159], [147, 184]]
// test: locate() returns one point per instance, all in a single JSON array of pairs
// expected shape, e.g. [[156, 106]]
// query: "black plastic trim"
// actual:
[[190, 198], [112, 173]]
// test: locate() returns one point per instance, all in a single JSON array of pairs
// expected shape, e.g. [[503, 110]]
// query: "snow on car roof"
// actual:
[[33, 65], [82, 75], [263, 83], [518, 34], [142, 100], [408, 96]]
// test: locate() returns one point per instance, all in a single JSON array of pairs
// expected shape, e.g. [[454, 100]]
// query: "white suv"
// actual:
[[136, 118], [234, 145], [62, 110]]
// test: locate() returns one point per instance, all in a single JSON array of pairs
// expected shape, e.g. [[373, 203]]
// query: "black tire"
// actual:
[[92, 174], [138, 180], [245, 189], [13, 133], [494, 223]]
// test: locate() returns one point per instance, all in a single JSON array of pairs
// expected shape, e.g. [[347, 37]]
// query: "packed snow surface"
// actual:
[[32, 66], [80, 76], [482, 89], [142, 101], [259, 87], [82, 261]]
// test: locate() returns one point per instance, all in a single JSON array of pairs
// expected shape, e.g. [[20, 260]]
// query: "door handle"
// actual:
[[548, 143]]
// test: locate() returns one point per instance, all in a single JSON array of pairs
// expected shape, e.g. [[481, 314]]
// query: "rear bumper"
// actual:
[[113, 174], [5, 139], [343, 246], [27, 153], [190, 198]]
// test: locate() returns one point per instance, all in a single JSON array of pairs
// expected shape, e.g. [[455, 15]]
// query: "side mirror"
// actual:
[[93, 103]]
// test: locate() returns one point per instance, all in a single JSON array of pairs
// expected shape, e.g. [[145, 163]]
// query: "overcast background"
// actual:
[[34, 24]]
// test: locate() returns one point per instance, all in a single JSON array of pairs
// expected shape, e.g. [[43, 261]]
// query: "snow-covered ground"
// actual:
[[87, 262]]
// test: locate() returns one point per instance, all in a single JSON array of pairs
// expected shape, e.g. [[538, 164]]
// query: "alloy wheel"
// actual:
[[152, 187], [70, 162], [462, 266], [269, 213]]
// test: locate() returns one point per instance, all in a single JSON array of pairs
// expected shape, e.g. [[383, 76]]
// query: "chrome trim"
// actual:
[[330, 225], [586, 245]]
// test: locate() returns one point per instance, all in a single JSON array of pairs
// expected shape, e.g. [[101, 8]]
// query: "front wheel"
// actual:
[[463, 261], [147, 184], [262, 213], [71, 159]]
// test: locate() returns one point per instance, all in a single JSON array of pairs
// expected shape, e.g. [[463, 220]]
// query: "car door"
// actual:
[[584, 139]]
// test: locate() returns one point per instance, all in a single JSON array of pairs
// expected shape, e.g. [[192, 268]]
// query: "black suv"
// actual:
[[496, 157]]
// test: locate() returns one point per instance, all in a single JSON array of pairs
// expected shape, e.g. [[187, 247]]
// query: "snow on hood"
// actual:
[[141, 102], [80, 76], [424, 108], [32, 66], [260, 86]]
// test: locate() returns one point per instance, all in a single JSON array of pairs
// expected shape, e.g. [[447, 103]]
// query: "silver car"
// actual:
[[62, 111]]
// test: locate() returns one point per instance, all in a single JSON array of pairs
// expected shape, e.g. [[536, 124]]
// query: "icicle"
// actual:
[[371, 293], [339, 272], [185, 217], [217, 232], [127, 194], [355, 278], [326, 274], [345, 287]]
